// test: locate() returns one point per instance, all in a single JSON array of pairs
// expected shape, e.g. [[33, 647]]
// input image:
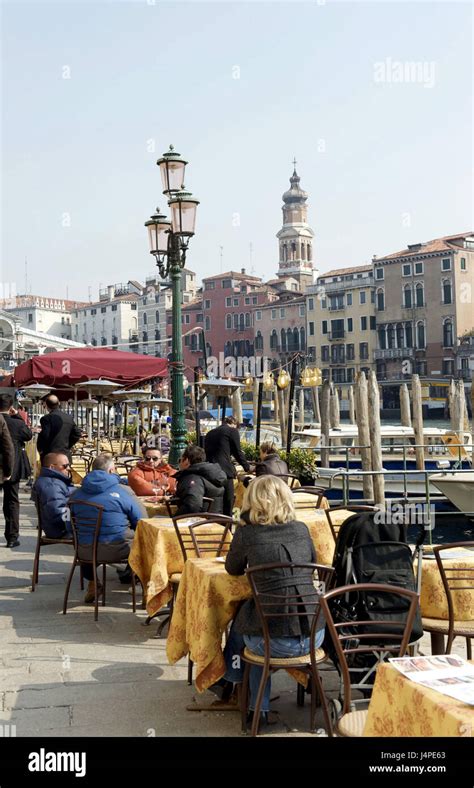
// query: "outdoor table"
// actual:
[[400, 708], [155, 508], [156, 555]]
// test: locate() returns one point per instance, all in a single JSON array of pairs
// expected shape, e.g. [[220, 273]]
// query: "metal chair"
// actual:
[[353, 509], [364, 637], [91, 523], [43, 540], [455, 580], [265, 603]]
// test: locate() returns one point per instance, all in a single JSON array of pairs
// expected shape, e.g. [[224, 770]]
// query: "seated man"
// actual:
[[198, 479], [119, 517], [150, 473], [51, 492]]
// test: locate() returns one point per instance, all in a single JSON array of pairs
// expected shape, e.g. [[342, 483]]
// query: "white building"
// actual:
[[153, 305], [18, 344], [112, 321], [40, 313]]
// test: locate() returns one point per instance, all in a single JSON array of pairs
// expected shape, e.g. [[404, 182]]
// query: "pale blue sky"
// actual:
[[396, 163]]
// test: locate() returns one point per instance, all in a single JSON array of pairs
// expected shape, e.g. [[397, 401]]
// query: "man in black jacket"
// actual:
[[221, 444], [19, 434], [58, 433], [198, 479]]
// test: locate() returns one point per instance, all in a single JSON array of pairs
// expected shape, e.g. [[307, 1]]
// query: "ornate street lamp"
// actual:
[[168, 243]]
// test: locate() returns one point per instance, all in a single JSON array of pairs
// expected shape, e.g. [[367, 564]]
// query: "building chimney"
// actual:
[[242, 270]]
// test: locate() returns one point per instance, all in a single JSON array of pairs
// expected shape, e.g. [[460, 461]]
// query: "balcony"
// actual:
[[133, 335], [465, 374], [336, 335], [336, 308], [394, 352]]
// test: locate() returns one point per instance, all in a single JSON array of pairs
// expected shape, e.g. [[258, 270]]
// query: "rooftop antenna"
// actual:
[[252, 269], [90, 293], [26, 275], [221, 250]]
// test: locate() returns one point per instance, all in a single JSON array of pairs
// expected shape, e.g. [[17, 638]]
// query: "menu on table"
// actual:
[[447, 673]]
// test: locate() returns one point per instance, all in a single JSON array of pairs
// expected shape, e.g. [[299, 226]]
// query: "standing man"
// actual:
[[19, 434], [221, 444], [58, 433]]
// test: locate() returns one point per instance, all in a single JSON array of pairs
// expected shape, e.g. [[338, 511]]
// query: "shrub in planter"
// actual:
[[301, 463]]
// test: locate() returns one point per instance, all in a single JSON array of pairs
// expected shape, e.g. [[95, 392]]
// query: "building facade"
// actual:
[[423, 301], [112, 321], [340, 323], [46, 315], [296, 237]]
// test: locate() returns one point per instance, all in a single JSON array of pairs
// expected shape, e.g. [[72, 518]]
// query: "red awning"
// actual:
[[69, 367]]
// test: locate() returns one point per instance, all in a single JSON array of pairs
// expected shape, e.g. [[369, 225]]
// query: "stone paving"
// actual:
[[71, 676]]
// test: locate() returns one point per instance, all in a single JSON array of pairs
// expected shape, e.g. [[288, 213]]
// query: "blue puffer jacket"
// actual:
[[121, 509], [51, 492]]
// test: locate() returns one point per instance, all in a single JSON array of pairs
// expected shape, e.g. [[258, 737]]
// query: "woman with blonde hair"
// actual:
[[270, 534]]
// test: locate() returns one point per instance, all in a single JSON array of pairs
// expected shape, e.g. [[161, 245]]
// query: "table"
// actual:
[[399, 707], [155, 508]]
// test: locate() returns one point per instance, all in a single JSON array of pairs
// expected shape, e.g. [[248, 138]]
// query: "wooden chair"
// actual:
[[290, 479], [43, 540], [90, 524], [358, 637], [455, 580], [318, 492], [265, 603], [352, 509]]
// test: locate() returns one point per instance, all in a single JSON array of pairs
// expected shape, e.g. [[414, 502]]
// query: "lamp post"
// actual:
[[168, 243]]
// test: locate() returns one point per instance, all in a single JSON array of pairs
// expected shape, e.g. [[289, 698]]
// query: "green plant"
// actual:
[[250, 450], [191, 438], [301, 463]]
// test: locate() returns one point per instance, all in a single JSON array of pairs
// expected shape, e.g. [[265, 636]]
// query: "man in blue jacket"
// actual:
[[51, 492], [120, 516]]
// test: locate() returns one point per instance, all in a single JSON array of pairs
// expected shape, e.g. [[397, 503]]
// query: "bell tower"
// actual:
[[296, 237]]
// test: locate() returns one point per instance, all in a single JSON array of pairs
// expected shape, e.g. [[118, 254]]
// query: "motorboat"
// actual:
[[458, 487]]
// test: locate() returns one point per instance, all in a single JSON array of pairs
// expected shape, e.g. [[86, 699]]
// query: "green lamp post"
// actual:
[[168, 243]]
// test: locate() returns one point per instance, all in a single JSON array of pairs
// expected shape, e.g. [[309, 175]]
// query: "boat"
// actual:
[[458, 487]]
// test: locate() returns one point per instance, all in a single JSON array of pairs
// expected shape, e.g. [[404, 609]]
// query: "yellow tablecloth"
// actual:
[[155, 556], [207, 601], [154, 509], [399, 707], [433, 596]]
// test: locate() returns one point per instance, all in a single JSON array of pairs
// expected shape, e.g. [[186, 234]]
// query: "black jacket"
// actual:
[[223, 443], [58, 433], [7, 451], [272, 465], [20, 433], [267, 544], [199, 480]]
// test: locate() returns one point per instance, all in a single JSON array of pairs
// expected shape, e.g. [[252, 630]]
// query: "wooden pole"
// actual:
[[302, 408], [282, 414], [259, 413], [405, 417], [452, 403], [472, 415], [461, 399], [418, 421], [291, 402], [274, 394], [335, 416], [376, 439], [352, 419], [255, 403], [325, 423], [316, 410], [237, 406], [362, 416]]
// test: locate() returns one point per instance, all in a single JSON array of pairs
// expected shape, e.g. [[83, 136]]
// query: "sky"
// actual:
[[93, 93]]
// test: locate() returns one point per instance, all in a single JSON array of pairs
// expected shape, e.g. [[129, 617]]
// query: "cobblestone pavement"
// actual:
[[71, 676]]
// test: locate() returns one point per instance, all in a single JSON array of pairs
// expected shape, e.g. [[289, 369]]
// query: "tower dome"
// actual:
[[296, 236]]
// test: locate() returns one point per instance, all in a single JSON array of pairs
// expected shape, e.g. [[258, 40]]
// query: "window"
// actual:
[[311, 329], [380, 300], [144, 301], [145, 318], [169, 320], [447, 333], [207, 324], [157, 298], [372, 323], [228, 301], [228, 321], [132, 306], [390, 336], [187, 319], [324, 327], [301, 310], [30, 317], [323, 303], [408, 334], [258, 314], [446, 264], [247, 301], [226, 284], [93, 311], [103, 309], [418, 268], [274, 314], [447, 294], [349, 299], [157, 334], [406, 269], [379, 273], [463, 264], [382, 339], [310, 304], [372, 296], [210, 286], [363, 351], [282, 312], [420, 335], [420, 367], [247, 319], [363, 323], [283, 339], [407, 302], [259, 341], [254, 300], [243, 288], [362, 297], [337, 354], [400, 335], [199, 317], [186, 340], [448, 366], [207, 304], [236, 302], [350, 375], [350, 352], [349, 324], [236, 321], [324, 352], [114, 307], [420, 297], [273, 340]]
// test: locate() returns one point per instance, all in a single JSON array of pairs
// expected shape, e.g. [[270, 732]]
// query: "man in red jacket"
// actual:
[[150, 473]]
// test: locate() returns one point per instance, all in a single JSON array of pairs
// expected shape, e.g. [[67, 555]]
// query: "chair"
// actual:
[[265, 603], [169, 502], [358, 637], [290, 479], [354, 509], [41, 541], [320, 492], [454, 579], [82, 524]]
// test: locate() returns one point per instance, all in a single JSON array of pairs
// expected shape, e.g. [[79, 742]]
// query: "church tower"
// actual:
[[296, 237]]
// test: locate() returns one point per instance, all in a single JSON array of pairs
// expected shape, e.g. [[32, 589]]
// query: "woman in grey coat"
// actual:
[[271, 534]]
